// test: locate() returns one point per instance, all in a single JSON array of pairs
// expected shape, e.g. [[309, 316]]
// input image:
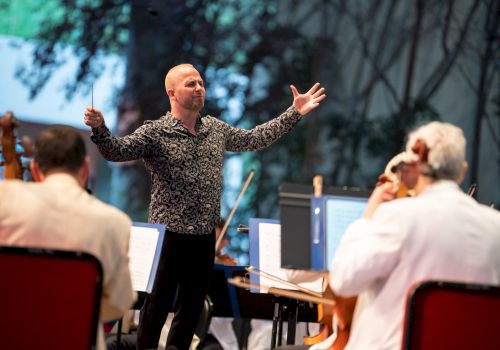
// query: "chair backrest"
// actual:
[[450, 315], [49, 299]]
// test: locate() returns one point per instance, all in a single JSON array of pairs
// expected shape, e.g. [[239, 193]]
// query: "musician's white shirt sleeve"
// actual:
[[370, 250]]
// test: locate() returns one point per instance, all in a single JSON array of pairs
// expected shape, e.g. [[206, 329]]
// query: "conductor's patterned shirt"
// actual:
[[186, 169]]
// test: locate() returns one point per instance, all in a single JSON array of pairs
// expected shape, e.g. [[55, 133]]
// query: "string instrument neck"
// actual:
[[11, 158]]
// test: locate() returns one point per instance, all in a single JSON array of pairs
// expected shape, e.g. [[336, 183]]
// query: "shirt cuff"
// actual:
[[100, 133], [294, 114]]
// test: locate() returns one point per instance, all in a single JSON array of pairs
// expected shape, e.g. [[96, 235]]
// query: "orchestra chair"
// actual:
[[452, 315], [49, 299]]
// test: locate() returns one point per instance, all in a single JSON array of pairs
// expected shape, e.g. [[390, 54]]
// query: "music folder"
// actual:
[[331, 215], [295, 218], [146, 241]]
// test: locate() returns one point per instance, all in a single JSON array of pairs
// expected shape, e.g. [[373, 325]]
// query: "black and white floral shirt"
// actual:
[[186, 170]]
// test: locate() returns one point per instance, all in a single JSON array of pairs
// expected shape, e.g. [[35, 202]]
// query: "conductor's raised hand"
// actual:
[[93, 117], [304, 103]]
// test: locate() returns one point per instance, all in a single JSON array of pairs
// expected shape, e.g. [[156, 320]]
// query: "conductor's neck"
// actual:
[[186, 116]]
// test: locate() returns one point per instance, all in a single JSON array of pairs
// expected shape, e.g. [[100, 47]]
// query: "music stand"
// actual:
[[146, 241], [230, 301], [297, 248]]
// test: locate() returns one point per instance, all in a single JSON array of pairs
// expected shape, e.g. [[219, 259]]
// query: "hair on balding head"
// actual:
[[59, 147]]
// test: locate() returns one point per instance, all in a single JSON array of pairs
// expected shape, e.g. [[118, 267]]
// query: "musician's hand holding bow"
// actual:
[[304, 103], [382, 193], [93, 117]]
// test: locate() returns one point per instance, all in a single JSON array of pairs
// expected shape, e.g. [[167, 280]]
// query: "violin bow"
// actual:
[[233, 209], [471, 190]]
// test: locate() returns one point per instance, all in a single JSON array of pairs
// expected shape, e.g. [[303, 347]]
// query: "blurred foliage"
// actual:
[[382, 63], [23, 18]]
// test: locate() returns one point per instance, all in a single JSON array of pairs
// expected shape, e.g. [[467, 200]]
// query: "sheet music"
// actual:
[[270, 259], [143, 243], [340, 213]]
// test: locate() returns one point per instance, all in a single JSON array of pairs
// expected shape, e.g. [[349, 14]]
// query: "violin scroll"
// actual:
[[396, 173], [421, 149]]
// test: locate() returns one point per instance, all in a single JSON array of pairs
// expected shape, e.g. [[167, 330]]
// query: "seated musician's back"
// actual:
[[440, 234], [56, 212]]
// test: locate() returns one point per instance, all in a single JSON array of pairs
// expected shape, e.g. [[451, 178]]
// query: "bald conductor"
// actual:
[[184, 152]]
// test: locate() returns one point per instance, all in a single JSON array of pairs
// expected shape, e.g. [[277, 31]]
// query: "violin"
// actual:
[[220, 241], [222, 258], [400, 172]]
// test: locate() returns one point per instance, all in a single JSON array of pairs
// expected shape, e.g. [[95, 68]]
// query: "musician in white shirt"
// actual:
[[441, 234], [56, 212]]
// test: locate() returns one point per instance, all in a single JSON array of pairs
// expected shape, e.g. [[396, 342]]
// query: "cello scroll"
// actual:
[[11, 158], [11, 155]]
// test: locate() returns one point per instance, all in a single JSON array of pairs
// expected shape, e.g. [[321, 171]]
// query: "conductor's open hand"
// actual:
[[304, 103], [93, 117]]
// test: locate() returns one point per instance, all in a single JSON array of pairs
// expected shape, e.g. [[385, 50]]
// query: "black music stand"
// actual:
[[141, 297], [284, 307], [230, 301]]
